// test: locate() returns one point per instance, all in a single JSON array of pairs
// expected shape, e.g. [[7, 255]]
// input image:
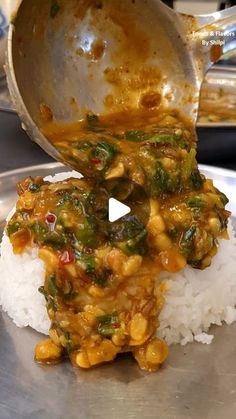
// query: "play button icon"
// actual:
[[117, 210]]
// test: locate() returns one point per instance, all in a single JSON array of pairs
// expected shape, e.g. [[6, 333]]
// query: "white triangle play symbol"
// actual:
[[117, 209]]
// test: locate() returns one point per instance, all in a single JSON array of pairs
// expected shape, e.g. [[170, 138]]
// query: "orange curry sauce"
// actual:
[[101, 288]]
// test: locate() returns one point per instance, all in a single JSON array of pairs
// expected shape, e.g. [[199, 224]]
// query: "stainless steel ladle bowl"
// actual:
[[75, 56]]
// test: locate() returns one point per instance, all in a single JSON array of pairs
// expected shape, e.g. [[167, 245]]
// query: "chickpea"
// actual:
[[116, 260], [122, 264], [137, 176], [162, 242], [172, 261], [169, 164], [119, 339], [138, 327], [178, 131], [96, 292], [104, 352], [116, 171], [152, 355], [156, 225], [82, 361], [132, 265], [26, 201], [96, 311], [47, 352], [156, 352], [154, 207], [215, 225], [90, 318]]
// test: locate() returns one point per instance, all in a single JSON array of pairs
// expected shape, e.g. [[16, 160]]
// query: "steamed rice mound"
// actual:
[[195, 299]]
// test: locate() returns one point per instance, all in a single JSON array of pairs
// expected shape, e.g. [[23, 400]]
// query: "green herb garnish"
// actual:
[[197, 179], [108, 324]]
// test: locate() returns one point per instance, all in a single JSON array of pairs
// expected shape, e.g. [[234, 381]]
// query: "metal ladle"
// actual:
[[102, 56]]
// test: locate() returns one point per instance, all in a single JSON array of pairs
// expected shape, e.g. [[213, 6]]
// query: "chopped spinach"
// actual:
[[223, 198], [34, 187], [188, 235], [54, 239], [162, 181], [141, 136], [39, 229], [161, 176], [136, 136], [189, 164], [197, 179], [68, 341], [13, 227], [186, 243], [100, 280], [129, 235], [223, 220], [195, 263], [69, 293], [51, 304], [86, 233], [173, 233], [171, 139], [54, 8], [195, 202], [89, 262], [102, 155], [137, 244], [125, 228]]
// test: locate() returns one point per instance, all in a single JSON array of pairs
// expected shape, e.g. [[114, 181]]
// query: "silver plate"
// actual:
[[197, 381]]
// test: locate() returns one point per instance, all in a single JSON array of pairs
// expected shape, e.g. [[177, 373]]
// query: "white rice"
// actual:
[[197, 299], [194, 300], [20, 278]]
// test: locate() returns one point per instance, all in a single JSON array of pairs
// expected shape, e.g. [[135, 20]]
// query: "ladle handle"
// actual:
[[213, 36], [224, 21]]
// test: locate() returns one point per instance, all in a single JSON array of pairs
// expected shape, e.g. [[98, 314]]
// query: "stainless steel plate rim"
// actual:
[[28, 169]]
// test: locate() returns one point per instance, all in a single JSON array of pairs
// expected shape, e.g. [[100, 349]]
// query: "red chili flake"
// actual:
[[96, 160], [66, 257], [88, 250], [50, 218]]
